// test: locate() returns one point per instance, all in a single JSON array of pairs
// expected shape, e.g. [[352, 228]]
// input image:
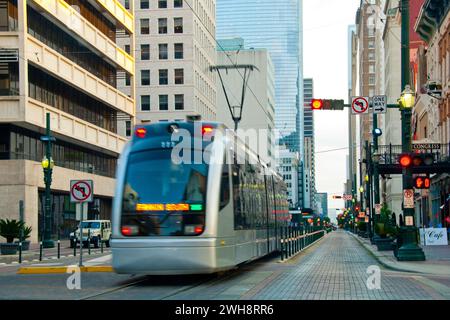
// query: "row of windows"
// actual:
[[204, 109], [52, 36], [58, 94], [163, 51], [205, 41], [208, 91], [9, 79], [8, 15], [206, 18], [163, 102], [18, 143], [163, 77], [162, 25], [162, 4], [95, 17]]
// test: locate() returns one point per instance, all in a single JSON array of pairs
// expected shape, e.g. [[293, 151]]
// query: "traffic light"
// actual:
[[327, 104], [422, 183], [416, 159], [423, 159], [405, 160], [316, 104]]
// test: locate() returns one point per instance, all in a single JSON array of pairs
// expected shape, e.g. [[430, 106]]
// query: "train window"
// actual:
[[225, 185], [154, 181]]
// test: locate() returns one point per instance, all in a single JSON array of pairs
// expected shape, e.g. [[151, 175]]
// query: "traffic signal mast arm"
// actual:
[[330, 104]]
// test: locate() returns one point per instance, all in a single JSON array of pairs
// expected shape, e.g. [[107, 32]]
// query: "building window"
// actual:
[[162, 25], [145, 103], [371, 56], [163, 77], [127, 4], [145, 26], [144, 4], [179, 102], [163, 102], [372, 68], [127, 48], [162, 4], [128, 128], [163, 51], [179, 76], [145, 77], [179, 51], [145, 52], [127, 79], [178, 25], [178, 3], [371, 79]]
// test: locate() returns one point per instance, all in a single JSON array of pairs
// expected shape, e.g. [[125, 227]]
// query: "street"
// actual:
[[335, 268]]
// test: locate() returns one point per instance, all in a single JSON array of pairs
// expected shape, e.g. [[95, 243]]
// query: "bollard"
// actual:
[[20, 252], [59, 248], [89, 241], [75, 249], [281, 244], [40, 251], [101, 246], [288, 231]]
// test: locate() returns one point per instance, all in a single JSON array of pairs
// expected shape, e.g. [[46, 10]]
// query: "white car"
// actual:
[[98, 231]]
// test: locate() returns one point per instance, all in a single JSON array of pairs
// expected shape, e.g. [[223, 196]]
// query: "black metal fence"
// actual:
[[389, 154], [295, 239]]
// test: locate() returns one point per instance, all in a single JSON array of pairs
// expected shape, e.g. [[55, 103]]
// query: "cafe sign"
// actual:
[[434, 237]]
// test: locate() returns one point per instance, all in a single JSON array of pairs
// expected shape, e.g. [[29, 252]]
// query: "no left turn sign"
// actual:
[[81, 191], [360, 105]]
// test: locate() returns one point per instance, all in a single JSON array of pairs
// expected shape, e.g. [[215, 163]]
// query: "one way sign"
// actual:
[[379, 104]]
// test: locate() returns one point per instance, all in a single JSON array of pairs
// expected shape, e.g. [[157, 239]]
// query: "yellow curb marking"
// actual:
[[56, 270]]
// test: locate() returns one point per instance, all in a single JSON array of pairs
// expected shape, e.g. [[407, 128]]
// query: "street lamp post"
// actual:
[[410, 250], [47, 165]]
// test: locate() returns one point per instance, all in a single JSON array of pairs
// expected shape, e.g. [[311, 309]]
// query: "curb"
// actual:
[[380, 261], [63, 269]]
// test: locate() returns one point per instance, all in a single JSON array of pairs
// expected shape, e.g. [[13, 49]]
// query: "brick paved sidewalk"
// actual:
[[437, 263]]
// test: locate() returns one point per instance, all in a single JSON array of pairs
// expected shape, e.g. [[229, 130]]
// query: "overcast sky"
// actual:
[[325, 60]]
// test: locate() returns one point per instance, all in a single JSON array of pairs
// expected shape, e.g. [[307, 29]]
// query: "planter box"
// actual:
[[384, 244], [25, 245], [8, 248]]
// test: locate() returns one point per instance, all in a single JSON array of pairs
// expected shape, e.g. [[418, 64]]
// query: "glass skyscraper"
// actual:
[[277, 26]]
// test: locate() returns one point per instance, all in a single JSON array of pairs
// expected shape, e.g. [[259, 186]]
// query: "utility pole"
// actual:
[[409, 250]]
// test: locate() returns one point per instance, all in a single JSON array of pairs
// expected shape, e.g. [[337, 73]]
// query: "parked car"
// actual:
[[98, 231]]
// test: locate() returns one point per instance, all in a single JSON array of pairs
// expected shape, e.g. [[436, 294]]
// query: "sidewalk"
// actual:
[[32, 255], [437, 263]]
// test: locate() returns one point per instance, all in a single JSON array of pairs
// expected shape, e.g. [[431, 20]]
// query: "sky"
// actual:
[[325, 60]]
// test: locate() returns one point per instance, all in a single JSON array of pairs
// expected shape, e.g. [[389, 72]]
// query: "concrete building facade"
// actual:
[[175, 48], [61, 57], [259, 106]]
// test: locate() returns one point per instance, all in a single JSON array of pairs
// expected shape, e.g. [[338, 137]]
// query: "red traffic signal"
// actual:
[[316, 104], [422, 183], [405, 160]]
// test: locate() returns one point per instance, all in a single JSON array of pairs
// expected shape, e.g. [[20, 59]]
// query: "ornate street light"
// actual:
[[407, 99]]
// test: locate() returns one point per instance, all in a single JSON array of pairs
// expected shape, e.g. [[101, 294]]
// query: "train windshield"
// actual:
[[162, 198]]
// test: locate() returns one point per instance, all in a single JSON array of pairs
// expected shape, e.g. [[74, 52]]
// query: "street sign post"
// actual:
[[81, 192], [379, 104], [360, 105], [348, 197], [378, 209], [408, 199]]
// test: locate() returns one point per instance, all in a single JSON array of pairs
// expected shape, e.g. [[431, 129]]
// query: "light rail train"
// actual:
[[196, 217]]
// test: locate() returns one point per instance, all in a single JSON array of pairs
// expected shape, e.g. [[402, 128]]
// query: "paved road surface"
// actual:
[[335, 268]]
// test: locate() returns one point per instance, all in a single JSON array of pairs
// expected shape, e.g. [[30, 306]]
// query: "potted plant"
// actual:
[[25, 235], [385, 230], [362, 229], [9, 229]]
